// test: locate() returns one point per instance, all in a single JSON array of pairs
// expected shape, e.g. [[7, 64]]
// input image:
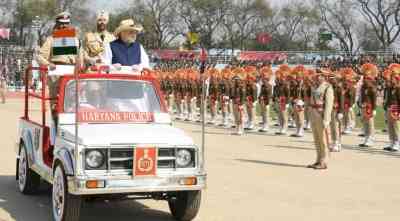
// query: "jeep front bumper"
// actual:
[[128, 184]]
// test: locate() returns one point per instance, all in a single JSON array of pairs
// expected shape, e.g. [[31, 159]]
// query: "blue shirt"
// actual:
[[124, 54]]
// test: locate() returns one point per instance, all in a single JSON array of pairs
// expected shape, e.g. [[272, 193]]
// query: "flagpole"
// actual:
[[203, 59]]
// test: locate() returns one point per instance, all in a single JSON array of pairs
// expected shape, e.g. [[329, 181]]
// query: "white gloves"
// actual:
[[340, 116], [300, 103], [287, 106], [374, 113], [326, 124]]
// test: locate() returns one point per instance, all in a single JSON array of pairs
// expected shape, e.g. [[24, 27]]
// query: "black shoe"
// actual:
[[388, 149], [361, 135]]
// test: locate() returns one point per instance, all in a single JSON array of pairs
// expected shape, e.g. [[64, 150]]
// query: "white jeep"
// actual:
[[121, 143]]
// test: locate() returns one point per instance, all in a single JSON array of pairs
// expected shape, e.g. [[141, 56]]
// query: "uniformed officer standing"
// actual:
[[349, 99], [321, 103], [95, 42], [282, 98], [297, 99], [179, 94], [337, 113], [368, 102], [251, 97], [308, 81], [392, 104], [191, 95], [46, 58], [213, 94], [265, 97], [238, 96], [223, 91]]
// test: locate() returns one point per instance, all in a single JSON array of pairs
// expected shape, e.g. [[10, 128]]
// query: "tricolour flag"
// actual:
[[65, 42]]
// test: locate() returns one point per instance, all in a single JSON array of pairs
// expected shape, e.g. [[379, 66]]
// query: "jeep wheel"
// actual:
[[186, 205], [66, 207], [28, 181]]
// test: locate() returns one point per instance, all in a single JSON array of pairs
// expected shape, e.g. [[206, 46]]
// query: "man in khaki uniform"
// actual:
[[213, 94], [282, 98], [392, 104], [223, 92], [238, 96], [321, 102], [46, 57], [94, 42], [251, 97], [297, 99], [368, 99], [337, 113], [349, 99], [265, 97]]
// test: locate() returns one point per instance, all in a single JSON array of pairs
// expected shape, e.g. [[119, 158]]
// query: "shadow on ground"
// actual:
[[271, 163], [38, 207]]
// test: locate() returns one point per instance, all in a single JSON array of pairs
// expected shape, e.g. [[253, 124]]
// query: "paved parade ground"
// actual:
[[253, 177]]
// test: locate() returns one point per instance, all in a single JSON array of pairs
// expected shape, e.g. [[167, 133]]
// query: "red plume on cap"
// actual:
[[284, 68], [369, 70], [394, 68]]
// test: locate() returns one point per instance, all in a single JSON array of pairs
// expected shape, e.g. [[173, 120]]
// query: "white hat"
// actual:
[[128, 25], [63, 17], [103, 15]]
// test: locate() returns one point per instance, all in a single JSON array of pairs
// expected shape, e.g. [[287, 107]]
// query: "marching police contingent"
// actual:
[[323, 100]]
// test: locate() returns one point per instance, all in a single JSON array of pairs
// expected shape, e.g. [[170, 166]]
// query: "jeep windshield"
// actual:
[[112, 96]]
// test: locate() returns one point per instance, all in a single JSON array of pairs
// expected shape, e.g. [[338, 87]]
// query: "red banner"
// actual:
[[261, 56], [145, 162], [113, 117], [175, 55]]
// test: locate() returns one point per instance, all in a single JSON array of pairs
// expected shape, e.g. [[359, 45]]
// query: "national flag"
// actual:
[[5, 33], [264, 38], [65, 42]]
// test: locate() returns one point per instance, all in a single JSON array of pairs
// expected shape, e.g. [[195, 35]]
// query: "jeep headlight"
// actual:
[[94, 159], [183, 158]]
